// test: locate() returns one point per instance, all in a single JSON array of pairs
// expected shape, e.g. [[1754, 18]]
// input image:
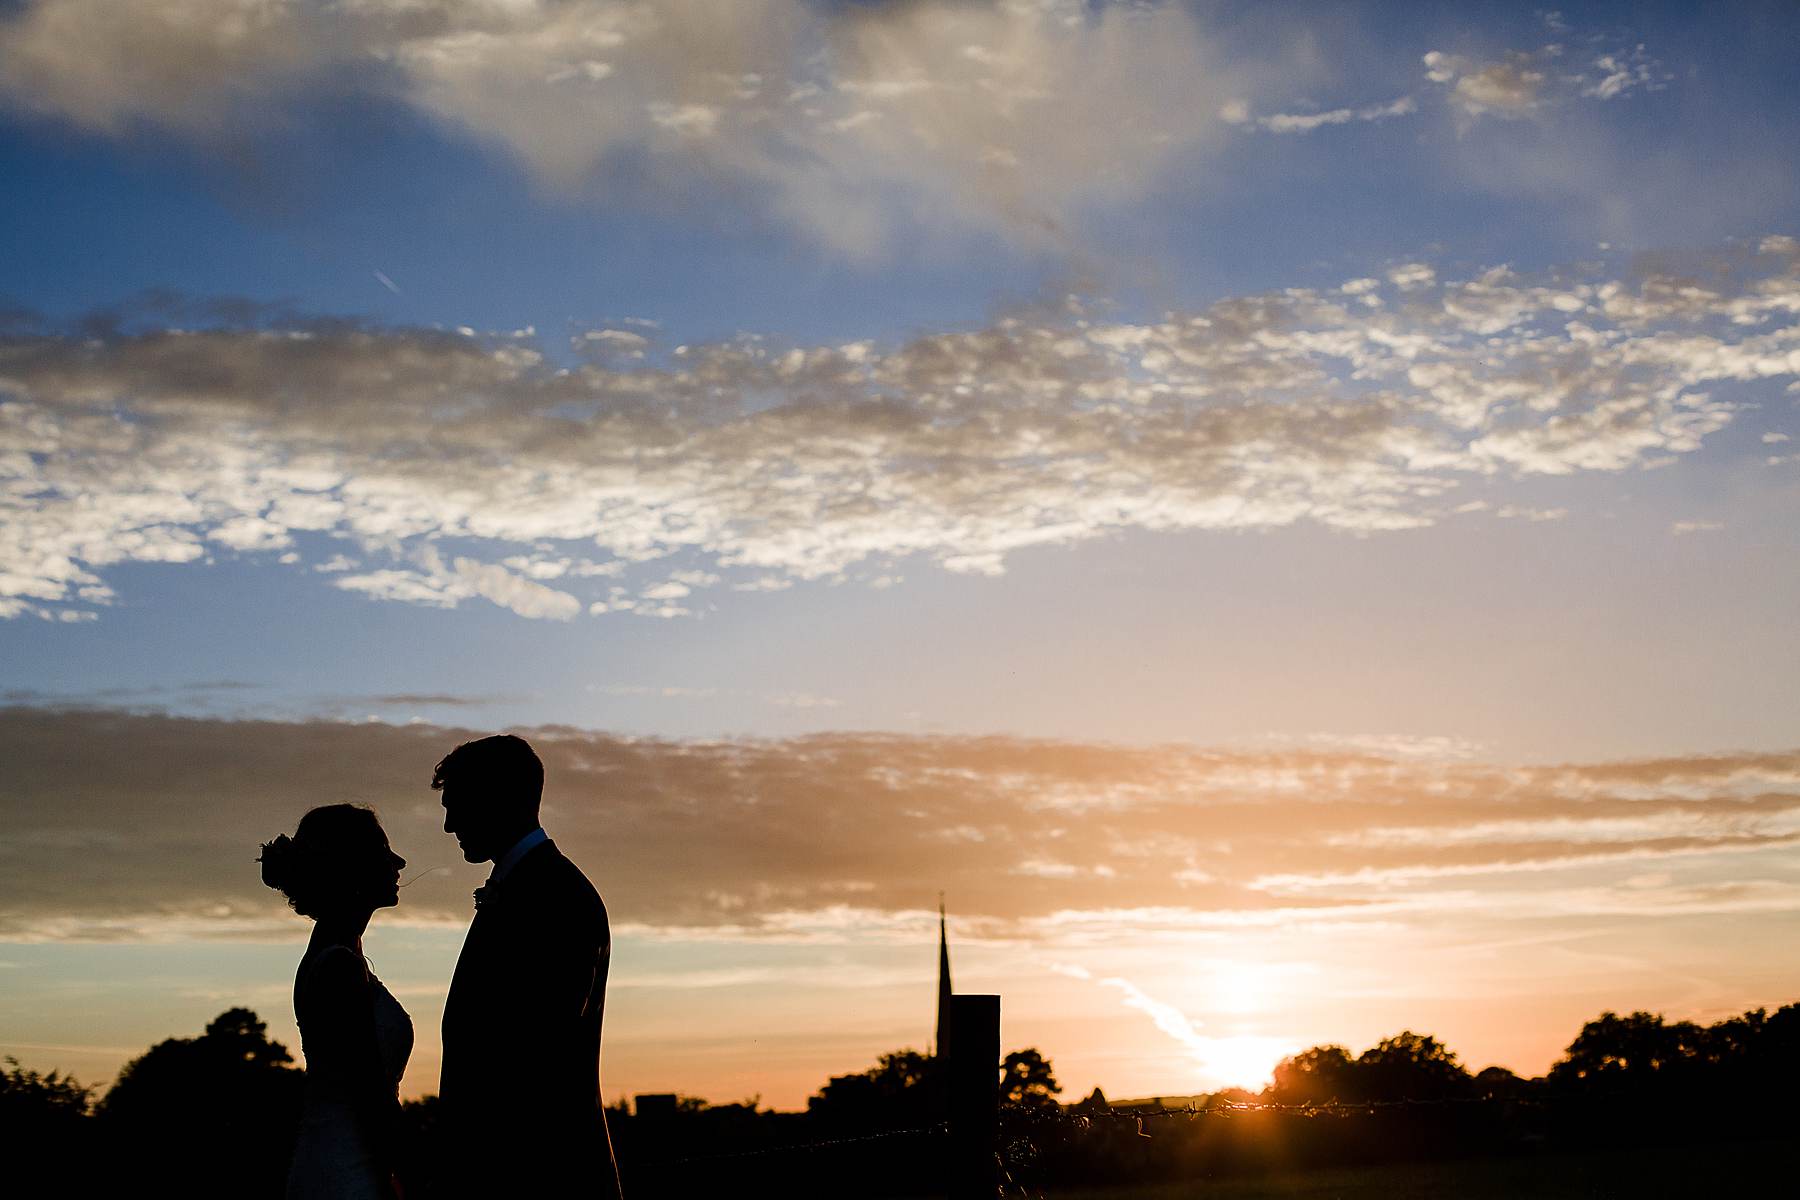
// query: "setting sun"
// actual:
[[1244, 1062]]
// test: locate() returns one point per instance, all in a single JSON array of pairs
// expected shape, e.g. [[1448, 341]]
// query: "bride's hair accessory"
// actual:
[[278, 862]]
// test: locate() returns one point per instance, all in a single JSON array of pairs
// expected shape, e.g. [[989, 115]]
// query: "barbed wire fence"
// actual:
[[1024, 1128]]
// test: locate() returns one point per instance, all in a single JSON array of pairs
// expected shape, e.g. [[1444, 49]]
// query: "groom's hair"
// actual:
[[503, 765]]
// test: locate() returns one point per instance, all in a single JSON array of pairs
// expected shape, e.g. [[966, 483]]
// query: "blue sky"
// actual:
[[1412, 382]]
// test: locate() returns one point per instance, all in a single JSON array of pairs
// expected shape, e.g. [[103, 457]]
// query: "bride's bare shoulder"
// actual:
[[327, 976]]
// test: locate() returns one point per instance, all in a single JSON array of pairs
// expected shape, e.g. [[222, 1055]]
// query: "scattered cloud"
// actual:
[[521, 595], [464, 466], [1526, 83], [1610, 76], [1681, 527], [1517, 83], [1511, 87], [1407, 277], [808, 838]]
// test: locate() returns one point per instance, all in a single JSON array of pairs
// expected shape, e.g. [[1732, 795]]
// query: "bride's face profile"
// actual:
[[368, 875], [383, 877]]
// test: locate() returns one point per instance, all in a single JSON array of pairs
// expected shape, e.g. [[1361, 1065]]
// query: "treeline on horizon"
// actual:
[[217, 1113]]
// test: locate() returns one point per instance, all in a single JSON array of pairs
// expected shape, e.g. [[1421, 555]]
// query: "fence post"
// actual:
[[974, 1087]]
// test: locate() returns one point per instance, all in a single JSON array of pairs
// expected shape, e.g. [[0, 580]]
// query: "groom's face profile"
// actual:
[[476, 821], [491, 789]]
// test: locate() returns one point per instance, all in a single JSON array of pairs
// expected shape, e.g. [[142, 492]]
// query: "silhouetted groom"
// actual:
[[520, 1091]]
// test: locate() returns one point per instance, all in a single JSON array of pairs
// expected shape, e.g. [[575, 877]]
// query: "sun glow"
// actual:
[[1240, 988], [1246, 1061]]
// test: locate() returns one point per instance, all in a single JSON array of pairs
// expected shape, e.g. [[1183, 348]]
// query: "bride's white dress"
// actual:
[[333, 1155]]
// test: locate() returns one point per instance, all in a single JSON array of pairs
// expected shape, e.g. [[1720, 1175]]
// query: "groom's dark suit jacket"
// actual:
[[520, 1090]]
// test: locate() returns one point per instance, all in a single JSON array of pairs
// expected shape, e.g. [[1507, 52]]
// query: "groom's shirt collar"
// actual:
[[506, 862]]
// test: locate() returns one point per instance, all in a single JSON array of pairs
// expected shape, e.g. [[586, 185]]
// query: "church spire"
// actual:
[[944, 993]]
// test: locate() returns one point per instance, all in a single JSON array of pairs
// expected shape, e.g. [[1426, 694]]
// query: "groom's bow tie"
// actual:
[[485, 893]]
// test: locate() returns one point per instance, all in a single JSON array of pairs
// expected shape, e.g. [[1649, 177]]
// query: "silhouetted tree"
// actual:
[[903, 1090], [1631, 1054], [1407, 1066], [1755, 1052], [1026, 1078], [216, 1112], [1411, 1066], [1316, 1076], [30, 1100], [1498, 1083], [1778, 1045], [46, 1122]]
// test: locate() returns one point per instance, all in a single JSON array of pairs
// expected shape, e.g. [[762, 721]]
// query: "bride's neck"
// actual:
[[341, 929]]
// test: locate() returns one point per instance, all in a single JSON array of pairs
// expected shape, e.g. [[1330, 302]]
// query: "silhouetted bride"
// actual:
[[338, 869]]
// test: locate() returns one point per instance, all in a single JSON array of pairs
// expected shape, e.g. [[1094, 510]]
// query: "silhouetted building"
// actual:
[[943, 1013]]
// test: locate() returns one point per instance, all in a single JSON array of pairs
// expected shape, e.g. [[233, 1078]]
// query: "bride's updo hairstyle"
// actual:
[[327, 857]]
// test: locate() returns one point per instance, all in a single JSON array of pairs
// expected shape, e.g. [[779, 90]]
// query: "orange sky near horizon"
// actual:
[[1157, 920]]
